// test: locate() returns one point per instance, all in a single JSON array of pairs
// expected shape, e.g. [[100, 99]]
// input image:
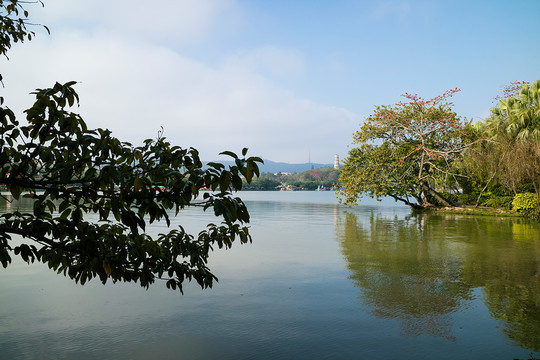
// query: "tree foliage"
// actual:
[[14, 27], [325, 177], [511, 158], [518, 116], [70, 170], [406, 151]]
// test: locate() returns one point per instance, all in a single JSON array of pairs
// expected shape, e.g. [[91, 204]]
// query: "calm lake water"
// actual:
[[319, 281]]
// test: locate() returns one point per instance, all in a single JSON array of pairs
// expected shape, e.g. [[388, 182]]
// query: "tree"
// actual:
[[518, 116], [406, 151], [510, 90], [13, 27], [512, 157], [410, 280], [263, 183], [69, 170], [480, 167]]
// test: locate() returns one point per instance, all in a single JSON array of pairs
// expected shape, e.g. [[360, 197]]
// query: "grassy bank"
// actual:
[[478, 211]]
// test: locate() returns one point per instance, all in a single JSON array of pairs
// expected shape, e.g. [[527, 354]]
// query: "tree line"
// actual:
[[322, 178]]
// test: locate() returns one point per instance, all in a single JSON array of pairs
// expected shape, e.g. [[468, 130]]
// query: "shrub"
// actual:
[[500, 190], [504, 202], [468, 199], [526, 203], [525, 188]]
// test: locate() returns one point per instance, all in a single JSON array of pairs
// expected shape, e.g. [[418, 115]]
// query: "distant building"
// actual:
[[336, 162]]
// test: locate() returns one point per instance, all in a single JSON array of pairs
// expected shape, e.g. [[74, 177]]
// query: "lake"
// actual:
[[320, 281]]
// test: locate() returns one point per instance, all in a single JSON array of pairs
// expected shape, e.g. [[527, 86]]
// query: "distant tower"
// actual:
[[336, 161]]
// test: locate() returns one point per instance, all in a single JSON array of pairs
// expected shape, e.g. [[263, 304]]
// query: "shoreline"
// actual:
[[483, 211]]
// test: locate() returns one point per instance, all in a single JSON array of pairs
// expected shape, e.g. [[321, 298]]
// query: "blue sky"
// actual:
[[288, 79]]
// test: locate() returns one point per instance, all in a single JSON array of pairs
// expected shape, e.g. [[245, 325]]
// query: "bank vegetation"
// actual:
[[421, 153]]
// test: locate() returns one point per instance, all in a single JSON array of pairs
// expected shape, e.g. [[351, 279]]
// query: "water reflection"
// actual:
[[422, 268], [505, 262], [404, 275], [290, 294]]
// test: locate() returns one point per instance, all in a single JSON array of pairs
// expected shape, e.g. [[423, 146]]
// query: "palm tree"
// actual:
[[518, 117]]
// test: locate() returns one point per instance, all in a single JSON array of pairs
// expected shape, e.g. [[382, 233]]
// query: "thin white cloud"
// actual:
[[270, 60], [394, 9], [133, 88], [167, 21]]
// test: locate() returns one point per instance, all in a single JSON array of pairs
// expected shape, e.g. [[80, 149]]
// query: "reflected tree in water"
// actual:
[[507, 268], [422, 268], [403, 275]]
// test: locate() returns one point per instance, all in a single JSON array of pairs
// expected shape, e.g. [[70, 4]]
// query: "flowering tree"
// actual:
[[512, 89], [406, 151]]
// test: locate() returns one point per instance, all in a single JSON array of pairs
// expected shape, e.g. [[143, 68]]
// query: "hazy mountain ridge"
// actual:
[[274, 167]]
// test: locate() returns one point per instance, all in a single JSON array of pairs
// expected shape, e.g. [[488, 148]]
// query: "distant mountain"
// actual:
[[274, 167]]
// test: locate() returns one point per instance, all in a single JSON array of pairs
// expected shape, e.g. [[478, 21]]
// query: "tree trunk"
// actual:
[[485, 187], [407, 202], [436, 195]]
